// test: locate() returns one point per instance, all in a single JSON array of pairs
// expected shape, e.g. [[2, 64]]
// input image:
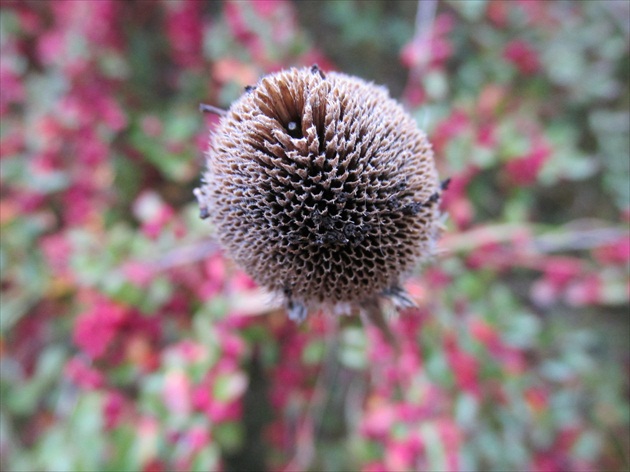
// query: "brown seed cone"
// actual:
[[322, 188]]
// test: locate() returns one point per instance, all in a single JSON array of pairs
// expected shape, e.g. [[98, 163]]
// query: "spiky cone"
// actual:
[[323, 189]]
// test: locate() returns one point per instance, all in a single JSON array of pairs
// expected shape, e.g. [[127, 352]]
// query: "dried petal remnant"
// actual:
[[322, 188]]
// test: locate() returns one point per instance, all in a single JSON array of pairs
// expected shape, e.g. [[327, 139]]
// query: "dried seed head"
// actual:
[[322, 187]]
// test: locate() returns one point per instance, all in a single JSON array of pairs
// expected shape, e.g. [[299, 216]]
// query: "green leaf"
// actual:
[[229, 435], [352, 351], [228, 387]]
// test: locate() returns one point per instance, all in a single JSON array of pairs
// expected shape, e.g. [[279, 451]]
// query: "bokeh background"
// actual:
[[129, 342]]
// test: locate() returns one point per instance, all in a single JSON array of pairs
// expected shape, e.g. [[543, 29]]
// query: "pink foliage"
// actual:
[[615, 253], [96, 329], [524, 170], [83, 375], [523, 56], [184, 28], [113, 409], [465, 366]]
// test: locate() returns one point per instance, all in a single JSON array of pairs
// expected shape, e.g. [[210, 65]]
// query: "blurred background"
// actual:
[[129, 342]]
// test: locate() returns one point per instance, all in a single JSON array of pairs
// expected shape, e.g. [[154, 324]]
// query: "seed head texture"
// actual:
[[322, 188]]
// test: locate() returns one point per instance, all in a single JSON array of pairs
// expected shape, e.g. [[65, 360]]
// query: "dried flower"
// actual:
[[322, 187]]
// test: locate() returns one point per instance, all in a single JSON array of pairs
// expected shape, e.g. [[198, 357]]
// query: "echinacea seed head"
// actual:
[[322, 187]]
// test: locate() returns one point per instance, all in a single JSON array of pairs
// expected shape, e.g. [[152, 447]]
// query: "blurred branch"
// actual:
[[578, 240], [564, 240], [425, 16], [309, 430], [188, 254], [573, 237]]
